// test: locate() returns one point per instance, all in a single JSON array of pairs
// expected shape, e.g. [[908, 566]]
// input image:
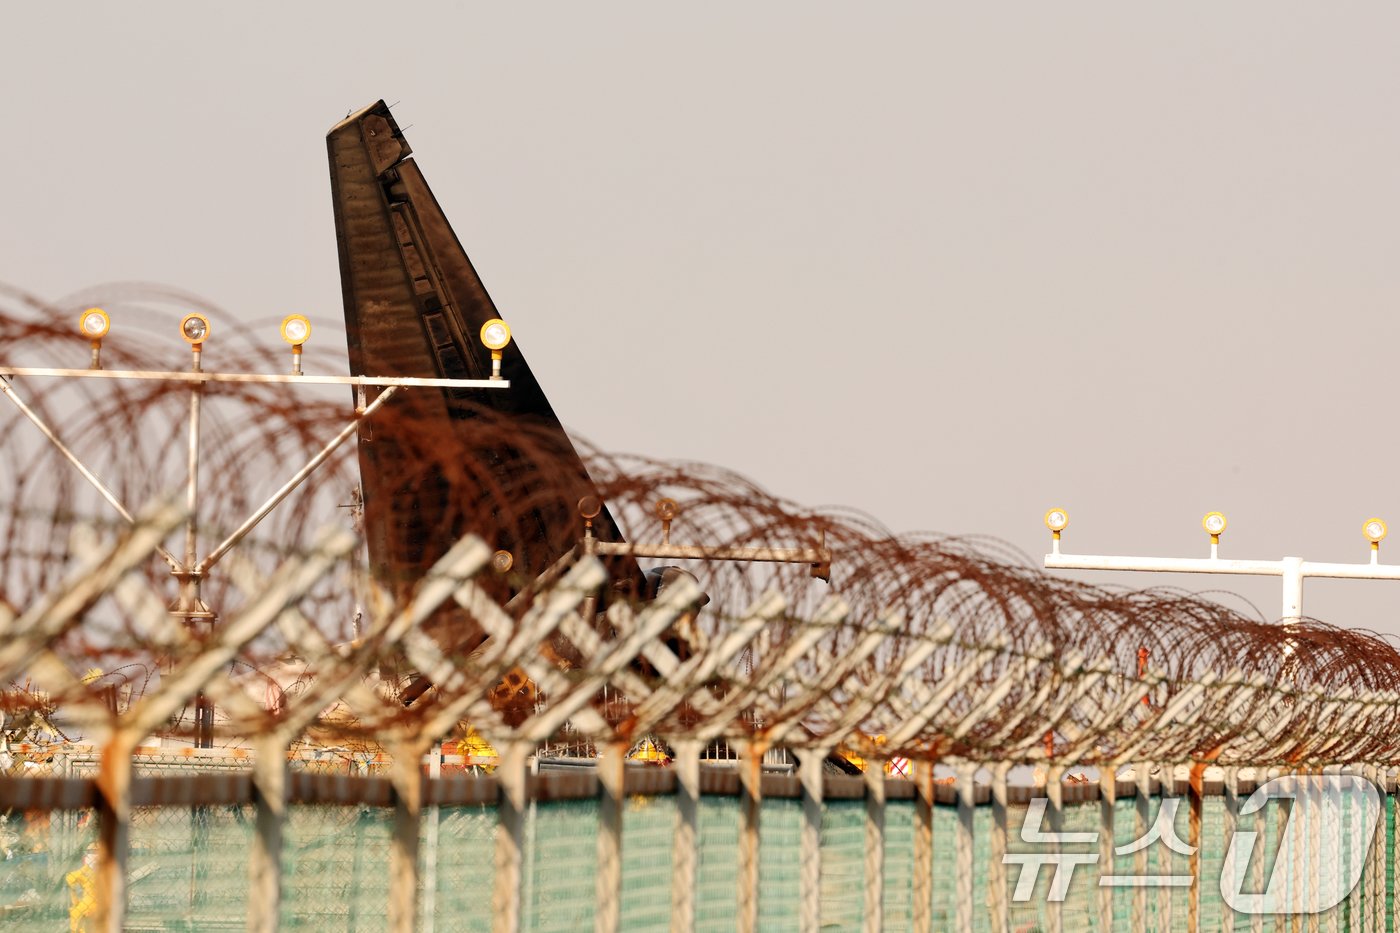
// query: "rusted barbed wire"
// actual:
[[1039, 656]]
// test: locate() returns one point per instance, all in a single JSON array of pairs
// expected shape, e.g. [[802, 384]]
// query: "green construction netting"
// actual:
[[188, 868]]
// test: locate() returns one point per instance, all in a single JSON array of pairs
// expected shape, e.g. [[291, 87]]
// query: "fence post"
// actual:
[[809, 907], [1108, 801], [1000, 897], [1142, 805], [1281, 922], [923, 846], [612, 773], [1228, 871], [265, 859], [874, 919], [431, 830], [750, 806], [684, 863], [511, 777], [113, 830], [963, 860], [406, 771], [1195, 791], [1164, 853], [1055, 795]]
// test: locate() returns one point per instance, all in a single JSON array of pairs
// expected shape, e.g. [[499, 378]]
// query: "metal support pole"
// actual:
[[189, 574], [265, 858], [297, 479], [1256, 878], [1000, 897], [684, 859], [1164, 853], [1376, 775], [407, 777], [431, 830], [607, 915], [1195, 792], [1281, 921], [750, 807], [511, 776], [874, 914], [1316, 783], [1108, 802], [1292, 588], [809, 855], [113, 831], [963, 848], [1054, 792], [1229, 872], [1142, 804], [78, 465], [923, 846]]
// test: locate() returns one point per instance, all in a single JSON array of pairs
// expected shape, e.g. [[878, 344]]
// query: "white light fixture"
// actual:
[[1057, 520], [495, 335]]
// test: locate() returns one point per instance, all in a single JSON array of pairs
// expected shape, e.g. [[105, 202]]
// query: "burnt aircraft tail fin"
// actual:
[[440, 462]]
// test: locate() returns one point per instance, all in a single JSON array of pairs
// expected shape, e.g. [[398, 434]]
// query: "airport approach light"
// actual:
[[195, 329], [1375, 531], [495, 334], [667, 509], [1214, 524], [95, 323], [296, 329]]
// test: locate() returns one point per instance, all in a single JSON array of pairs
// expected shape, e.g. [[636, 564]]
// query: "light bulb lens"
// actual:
[[1214, 522], [495, 334], [296, 329], [94, 323], [195, 328], [502, 561], [1057, 519], [1375, 529]]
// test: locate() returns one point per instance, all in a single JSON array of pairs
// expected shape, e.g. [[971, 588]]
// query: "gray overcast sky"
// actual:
[[950, 264]]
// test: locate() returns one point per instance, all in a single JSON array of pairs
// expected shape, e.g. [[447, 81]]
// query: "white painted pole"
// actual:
[[1292, 588], [1291, 570]]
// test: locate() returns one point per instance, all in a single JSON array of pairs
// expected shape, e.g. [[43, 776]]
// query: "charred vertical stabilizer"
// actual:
[[414, 307]]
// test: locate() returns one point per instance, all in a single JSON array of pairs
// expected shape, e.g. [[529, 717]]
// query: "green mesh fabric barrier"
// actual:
[[189, 866]]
